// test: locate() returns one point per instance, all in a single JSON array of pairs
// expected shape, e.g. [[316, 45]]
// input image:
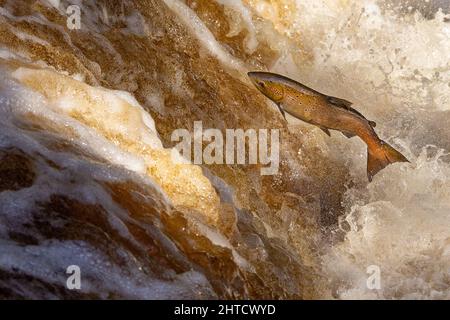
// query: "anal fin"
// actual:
[[348, 134]]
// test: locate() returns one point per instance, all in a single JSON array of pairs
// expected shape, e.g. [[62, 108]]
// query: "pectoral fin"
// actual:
[[326, 131], [281, 110]]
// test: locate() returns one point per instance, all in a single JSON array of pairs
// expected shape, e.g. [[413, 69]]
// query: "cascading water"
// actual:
[[86, 176]]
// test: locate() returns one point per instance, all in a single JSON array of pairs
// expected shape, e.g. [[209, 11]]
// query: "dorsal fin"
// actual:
[[341, 103]]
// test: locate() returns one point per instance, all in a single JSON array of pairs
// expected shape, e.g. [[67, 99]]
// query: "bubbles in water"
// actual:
[[395, 67]]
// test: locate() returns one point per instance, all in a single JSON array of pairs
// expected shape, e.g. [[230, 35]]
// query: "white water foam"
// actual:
[[395, 67]]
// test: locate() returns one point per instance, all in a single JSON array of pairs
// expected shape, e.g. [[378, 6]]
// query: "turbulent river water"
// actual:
[[86, 171]]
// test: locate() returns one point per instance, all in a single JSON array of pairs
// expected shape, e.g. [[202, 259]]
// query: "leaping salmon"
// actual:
[[327, 113]]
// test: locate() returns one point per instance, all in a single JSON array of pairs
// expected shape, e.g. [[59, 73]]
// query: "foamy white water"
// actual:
[[394, 64], [389, 57]]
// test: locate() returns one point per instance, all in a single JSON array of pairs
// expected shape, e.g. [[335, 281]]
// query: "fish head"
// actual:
[[268, 85]]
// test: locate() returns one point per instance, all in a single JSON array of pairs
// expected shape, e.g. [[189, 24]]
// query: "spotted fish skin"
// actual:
[[328, 113]]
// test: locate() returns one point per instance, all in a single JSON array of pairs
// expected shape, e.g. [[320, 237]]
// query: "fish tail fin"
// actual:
[[380, 157]]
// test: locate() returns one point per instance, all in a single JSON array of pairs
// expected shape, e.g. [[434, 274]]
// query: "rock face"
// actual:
[[87, 171]]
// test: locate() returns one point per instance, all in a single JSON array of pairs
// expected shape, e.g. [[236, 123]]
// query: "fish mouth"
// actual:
[[259, 75], [253, 78], [253, 74]]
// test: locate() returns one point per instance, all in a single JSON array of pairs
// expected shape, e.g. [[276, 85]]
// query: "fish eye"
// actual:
[[262, 84]]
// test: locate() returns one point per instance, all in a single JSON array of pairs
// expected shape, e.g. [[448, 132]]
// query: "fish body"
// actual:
[[327, 113]]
